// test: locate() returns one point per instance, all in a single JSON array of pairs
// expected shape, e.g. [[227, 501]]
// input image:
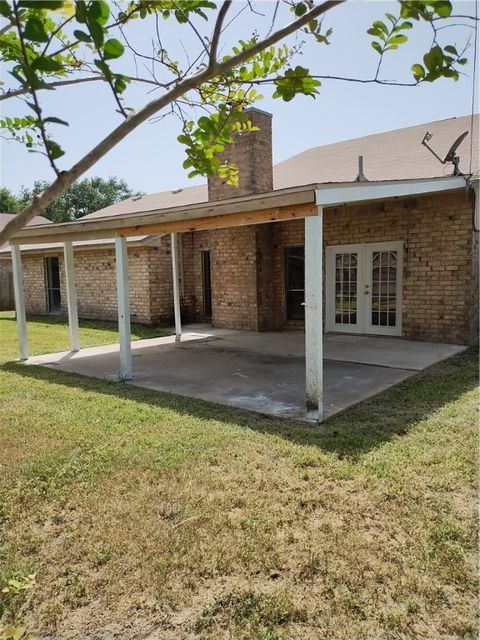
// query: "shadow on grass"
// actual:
[[349, 434], [143, 330]]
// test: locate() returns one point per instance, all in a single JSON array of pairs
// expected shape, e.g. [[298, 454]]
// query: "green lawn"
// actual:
[[48, 334], [149, 515]]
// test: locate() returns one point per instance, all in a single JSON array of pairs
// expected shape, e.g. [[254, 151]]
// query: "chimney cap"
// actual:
[[256, 110]]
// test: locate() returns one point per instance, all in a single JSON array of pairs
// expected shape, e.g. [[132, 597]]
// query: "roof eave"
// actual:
[[335, 195], [327, 195]]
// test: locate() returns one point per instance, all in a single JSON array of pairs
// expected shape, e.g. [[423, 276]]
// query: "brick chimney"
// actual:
[[252, 153]]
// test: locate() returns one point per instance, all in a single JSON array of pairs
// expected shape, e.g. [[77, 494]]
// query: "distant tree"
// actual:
[[9, 202], [82, 197]]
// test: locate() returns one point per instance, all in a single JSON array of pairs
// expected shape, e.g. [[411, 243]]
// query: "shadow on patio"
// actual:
[[349, 434]]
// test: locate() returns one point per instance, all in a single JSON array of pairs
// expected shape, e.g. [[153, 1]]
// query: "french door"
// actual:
[[364, 288]]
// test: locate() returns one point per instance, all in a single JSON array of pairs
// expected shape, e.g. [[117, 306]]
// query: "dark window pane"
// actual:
[[206, 285], [55, 283], [52, 281], [295, 282], [295, 308]]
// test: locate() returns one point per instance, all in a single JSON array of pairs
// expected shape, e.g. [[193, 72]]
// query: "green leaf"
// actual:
[[300, 9], [381, 26], [398, 39], [418, 71], [97, 33], [120, 84], [112, 49], [50, 5], [377, 46], [54, 150], [5, 9], [35, 31], [81, 11], [98, 11], [451, 49], [55, 120], [442, 8], [82, 36], [104, 68], [433, 58], [43, 63]]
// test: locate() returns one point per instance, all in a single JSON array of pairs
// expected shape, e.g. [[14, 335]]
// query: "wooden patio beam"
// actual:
[[293, 212]]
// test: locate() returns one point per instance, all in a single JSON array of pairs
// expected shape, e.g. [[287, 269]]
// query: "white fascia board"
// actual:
[[351, 193]]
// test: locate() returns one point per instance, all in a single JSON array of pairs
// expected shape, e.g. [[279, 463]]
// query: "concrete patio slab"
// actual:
[[383, 351], [258, 371]]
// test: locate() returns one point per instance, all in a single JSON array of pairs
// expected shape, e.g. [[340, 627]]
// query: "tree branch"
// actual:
[[217, 31], [15, 93], [66, 178], [36, 104]]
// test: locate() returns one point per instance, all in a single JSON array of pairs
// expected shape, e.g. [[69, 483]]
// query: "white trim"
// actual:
[[20, 303], [71, 296], [330, 324], [369, 249], [313, 316], [121, 266], [328, 195], [364, 252], [176, 290]]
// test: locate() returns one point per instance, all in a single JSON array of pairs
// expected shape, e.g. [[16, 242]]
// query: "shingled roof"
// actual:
[[6, 217], [392, 155]]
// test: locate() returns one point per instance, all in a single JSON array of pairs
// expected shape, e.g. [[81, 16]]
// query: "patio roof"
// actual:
[[307, 202], [283, 204]]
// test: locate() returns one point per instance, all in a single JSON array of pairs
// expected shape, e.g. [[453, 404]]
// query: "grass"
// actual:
[[49, 334], [146, 514]]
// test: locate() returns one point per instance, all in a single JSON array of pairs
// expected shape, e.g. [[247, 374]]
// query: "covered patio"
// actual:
[[297, 375], [262, 372]]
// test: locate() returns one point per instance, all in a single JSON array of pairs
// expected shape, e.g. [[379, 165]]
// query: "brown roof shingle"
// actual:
[[392, 155]]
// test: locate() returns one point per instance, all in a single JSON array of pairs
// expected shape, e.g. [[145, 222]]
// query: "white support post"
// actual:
[[121, 261], [71, 296], [313, 315], [176, 290], [19, 302]]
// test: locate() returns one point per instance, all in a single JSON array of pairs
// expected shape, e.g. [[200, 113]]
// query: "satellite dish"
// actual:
[[450, 157]]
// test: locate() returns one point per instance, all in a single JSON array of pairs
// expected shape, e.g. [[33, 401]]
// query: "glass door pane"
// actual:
[[346, 288], [384, 289]]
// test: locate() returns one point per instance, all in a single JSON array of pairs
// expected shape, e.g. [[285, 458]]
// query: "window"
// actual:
[[52, 282], [295, 283], [206, 285]]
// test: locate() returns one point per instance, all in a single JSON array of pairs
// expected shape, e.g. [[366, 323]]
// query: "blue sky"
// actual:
[[150, 159]]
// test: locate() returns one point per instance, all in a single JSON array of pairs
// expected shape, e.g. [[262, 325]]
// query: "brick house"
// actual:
[[404, 264]]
